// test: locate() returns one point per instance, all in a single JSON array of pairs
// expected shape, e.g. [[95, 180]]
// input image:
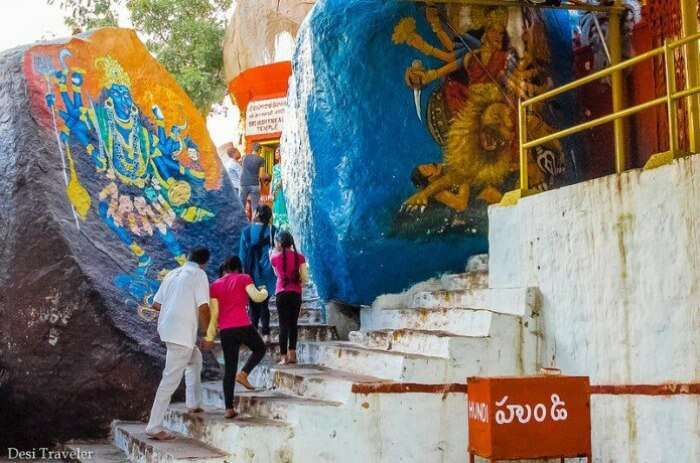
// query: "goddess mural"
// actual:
[[472, 113]]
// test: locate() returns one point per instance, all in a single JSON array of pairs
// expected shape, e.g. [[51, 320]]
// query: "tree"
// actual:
[[186, 36]]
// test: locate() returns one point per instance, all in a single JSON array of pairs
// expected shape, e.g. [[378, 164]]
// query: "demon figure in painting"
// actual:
[[147, 172], [493, 57]]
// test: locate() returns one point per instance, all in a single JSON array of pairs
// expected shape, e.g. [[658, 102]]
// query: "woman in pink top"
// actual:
[[229, 296], [292, 272]]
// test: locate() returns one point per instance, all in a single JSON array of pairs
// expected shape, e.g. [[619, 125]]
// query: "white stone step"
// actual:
[[271, 404], [131, 439], [394, 366], [316, 382], [509, 353], [434, 343], [458, 321], [246, 439], [101, 451], [463, 281], [307, 332], [514, 301]]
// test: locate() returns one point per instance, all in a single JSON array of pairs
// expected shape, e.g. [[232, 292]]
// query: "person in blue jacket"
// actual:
[[257, 240]]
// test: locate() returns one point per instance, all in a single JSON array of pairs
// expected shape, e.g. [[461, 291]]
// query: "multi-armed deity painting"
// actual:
[[489, 59]]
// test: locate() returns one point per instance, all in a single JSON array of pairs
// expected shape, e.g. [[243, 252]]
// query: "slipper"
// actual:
[[242, 379], [161, 436], [230, 414], [195, 410]]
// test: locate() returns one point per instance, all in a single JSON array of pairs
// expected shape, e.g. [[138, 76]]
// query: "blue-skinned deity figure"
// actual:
[[146, 186]]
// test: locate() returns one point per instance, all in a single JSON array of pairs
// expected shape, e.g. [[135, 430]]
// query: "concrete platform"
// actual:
[[513, 301], [394, 366], [317, 382], [270, 404], [131, 439], [454, 320], [245, 439]]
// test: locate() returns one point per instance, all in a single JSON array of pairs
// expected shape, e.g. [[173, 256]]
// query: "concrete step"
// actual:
[[467, 280], [394, 366], [513, 301], [508, 353], [307, 315], [315, 332], [434, 343], [271, 404], [307, 332], [316, 382], [245, 439], [457, 321], [102, 451], [131, 439]]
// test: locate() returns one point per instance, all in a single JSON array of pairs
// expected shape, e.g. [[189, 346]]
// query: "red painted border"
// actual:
[[457, 388], [403, 388], [648, 389]]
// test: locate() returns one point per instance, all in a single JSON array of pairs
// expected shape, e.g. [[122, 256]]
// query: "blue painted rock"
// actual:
[[402, 132], [108, 178]]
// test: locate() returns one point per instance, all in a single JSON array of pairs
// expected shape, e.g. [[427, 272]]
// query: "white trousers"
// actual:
[[178, 360]]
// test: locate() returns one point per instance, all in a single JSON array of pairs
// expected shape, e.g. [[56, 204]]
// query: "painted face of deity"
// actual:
[[121, 96], [494, 37]]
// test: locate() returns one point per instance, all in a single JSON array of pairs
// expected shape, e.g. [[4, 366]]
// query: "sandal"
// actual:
[[230, 414], [242, 379]]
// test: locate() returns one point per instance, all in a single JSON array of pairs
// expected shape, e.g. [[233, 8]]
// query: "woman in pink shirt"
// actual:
[[292, 272], [229, 299]]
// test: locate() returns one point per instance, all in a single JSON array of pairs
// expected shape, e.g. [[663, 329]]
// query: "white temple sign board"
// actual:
[[265, 116]]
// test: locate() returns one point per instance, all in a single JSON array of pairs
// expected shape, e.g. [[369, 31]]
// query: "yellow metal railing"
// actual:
[[671, 99]]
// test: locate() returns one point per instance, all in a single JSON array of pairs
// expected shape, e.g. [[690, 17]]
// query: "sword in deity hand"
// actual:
[[416, 101]]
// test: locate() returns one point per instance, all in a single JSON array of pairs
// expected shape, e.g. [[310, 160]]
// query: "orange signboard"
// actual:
[[531, 417]]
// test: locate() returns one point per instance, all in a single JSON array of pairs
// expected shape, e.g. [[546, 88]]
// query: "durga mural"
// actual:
[[491, 58], [146, 169]]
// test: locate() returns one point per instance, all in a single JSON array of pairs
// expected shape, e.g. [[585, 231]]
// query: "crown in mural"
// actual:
[[489, 17], [497, 18], [112, 72]]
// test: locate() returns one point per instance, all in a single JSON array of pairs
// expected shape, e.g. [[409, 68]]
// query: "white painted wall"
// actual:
[[617, 262]]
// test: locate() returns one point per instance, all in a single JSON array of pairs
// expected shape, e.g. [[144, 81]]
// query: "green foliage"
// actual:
[[186, 36], [88, 14]]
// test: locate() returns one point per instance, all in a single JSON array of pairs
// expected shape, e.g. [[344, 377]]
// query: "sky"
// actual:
[[26, 21]]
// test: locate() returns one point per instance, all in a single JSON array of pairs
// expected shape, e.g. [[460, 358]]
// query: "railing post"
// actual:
[[670, 65], [689, 13], [522, 131], [618, 86]]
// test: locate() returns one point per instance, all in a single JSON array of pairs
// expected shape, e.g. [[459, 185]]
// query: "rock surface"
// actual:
[[253, 32], [107, 177], [353, 140]]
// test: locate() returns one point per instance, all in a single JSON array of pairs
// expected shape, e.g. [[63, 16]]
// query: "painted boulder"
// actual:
[[108, 178], [402, 129]]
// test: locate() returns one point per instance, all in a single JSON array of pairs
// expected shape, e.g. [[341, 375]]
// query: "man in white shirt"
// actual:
[[183, 297], [234, 168]]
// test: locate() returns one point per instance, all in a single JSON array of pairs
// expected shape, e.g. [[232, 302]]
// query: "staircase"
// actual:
[[395, 394]]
